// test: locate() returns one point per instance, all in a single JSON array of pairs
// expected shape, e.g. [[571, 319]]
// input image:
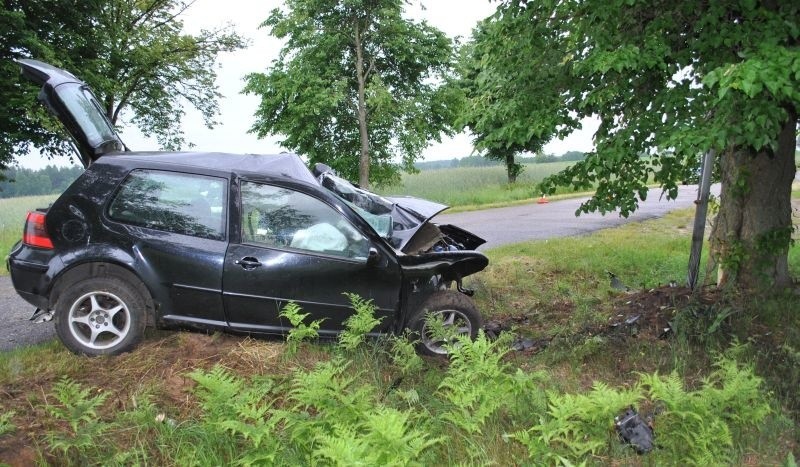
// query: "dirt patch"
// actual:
[[647, 314]]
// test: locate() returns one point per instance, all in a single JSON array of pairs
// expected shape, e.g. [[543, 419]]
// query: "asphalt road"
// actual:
[[498, 226], [514, 224]]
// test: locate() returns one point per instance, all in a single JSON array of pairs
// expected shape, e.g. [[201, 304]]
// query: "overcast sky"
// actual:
[[455, 17]]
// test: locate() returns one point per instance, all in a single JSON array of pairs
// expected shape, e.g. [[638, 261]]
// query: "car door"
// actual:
[[176, 225], [295, 247]]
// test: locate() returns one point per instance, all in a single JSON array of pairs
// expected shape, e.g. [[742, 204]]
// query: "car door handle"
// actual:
[[248, 262]]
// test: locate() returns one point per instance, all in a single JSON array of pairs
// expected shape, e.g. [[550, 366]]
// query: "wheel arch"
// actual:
[[79, 272]]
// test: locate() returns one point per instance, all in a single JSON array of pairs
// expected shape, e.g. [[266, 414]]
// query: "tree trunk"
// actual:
[[751, 234], [109, 103], [511, 168], [363, 161]]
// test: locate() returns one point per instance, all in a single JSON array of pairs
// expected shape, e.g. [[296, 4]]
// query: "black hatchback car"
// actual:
[[176, 239]]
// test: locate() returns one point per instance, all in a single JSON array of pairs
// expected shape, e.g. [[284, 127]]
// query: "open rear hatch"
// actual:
[[72, 102]]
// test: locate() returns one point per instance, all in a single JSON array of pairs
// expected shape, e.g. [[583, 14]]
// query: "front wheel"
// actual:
[[100, 316], [456, 312]]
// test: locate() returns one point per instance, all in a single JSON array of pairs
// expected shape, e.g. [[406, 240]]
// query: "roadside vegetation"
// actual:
[[720, 386]]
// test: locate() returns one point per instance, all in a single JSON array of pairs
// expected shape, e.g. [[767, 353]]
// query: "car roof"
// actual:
[[287, 165]]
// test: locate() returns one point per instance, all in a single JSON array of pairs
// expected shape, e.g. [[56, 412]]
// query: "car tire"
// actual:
[[455, 308], [100, 316]]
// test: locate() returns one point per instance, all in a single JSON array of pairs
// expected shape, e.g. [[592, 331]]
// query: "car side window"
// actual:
[[173, 202], [282, 218]]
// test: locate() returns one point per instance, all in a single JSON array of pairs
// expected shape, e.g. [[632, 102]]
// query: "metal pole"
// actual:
[[703, 192]]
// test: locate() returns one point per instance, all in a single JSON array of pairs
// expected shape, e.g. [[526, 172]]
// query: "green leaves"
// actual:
[[667, 80], [300, 331], [311, 95], [511, 81], [78, 407], [359, 324], [135, 55], [694, 426]]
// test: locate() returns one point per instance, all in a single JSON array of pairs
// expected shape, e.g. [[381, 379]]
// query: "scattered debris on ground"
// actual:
[[645, 314]]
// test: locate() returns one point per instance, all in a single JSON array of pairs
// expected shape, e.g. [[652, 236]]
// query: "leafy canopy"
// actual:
[[310, 93], [668, 79], [134, 55], [506, 73]]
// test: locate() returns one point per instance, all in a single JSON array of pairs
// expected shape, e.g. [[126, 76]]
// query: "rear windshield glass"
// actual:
[[88, 113]]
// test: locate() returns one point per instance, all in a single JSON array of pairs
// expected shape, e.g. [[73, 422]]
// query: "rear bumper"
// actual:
[[36, 300], [30, 277]]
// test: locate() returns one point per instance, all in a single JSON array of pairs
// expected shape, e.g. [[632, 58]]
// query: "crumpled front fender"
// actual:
[[451, 265]]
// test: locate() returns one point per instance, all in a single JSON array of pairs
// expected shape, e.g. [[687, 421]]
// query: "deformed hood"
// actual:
[[404, 221], [72, 102]]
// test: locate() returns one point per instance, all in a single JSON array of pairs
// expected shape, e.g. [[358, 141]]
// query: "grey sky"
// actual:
[[454, 17]]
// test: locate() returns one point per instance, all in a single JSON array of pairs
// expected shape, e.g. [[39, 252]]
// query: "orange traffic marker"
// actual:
[[543, 199]]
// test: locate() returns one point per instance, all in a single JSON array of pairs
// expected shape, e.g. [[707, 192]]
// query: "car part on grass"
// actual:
[[633, 430], [41, 316], [617, 284]]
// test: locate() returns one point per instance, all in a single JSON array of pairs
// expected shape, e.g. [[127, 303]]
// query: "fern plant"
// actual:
[[384, 437], [358, 324], [478, 382], [581, 424], [242, 409], [403, 354], [77, 406], [334, 419], [300, 331], [694, 426]]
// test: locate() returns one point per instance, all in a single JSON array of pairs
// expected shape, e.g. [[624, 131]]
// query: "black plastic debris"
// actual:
[[492, 329], [634, 431], [523, 344], [616, 283]]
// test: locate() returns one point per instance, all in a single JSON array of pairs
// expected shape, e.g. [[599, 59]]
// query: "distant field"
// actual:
[[466, 186], [12, 219]]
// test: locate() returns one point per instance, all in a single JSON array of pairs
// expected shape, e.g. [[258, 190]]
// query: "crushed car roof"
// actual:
[[286, 164]]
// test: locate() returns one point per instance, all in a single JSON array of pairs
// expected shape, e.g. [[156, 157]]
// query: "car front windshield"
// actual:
[[374, 209]]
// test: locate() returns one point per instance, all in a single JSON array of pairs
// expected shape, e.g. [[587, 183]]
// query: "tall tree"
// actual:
[[356, 85], [506, 63], [673, 79], [134, 55]]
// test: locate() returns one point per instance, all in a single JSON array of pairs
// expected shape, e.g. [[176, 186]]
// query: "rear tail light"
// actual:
[[36, 232]]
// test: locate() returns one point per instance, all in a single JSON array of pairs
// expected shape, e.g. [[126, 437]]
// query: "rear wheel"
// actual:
[[456, 312], [100, 316]]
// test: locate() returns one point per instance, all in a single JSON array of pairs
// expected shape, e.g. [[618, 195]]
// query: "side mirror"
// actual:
[[373, 257]]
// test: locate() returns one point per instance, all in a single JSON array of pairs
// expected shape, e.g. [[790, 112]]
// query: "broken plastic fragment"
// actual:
[[634, 431]]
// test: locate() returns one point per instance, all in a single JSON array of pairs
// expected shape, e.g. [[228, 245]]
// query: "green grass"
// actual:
[[545, 277], [475, 186], [12, 219]]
